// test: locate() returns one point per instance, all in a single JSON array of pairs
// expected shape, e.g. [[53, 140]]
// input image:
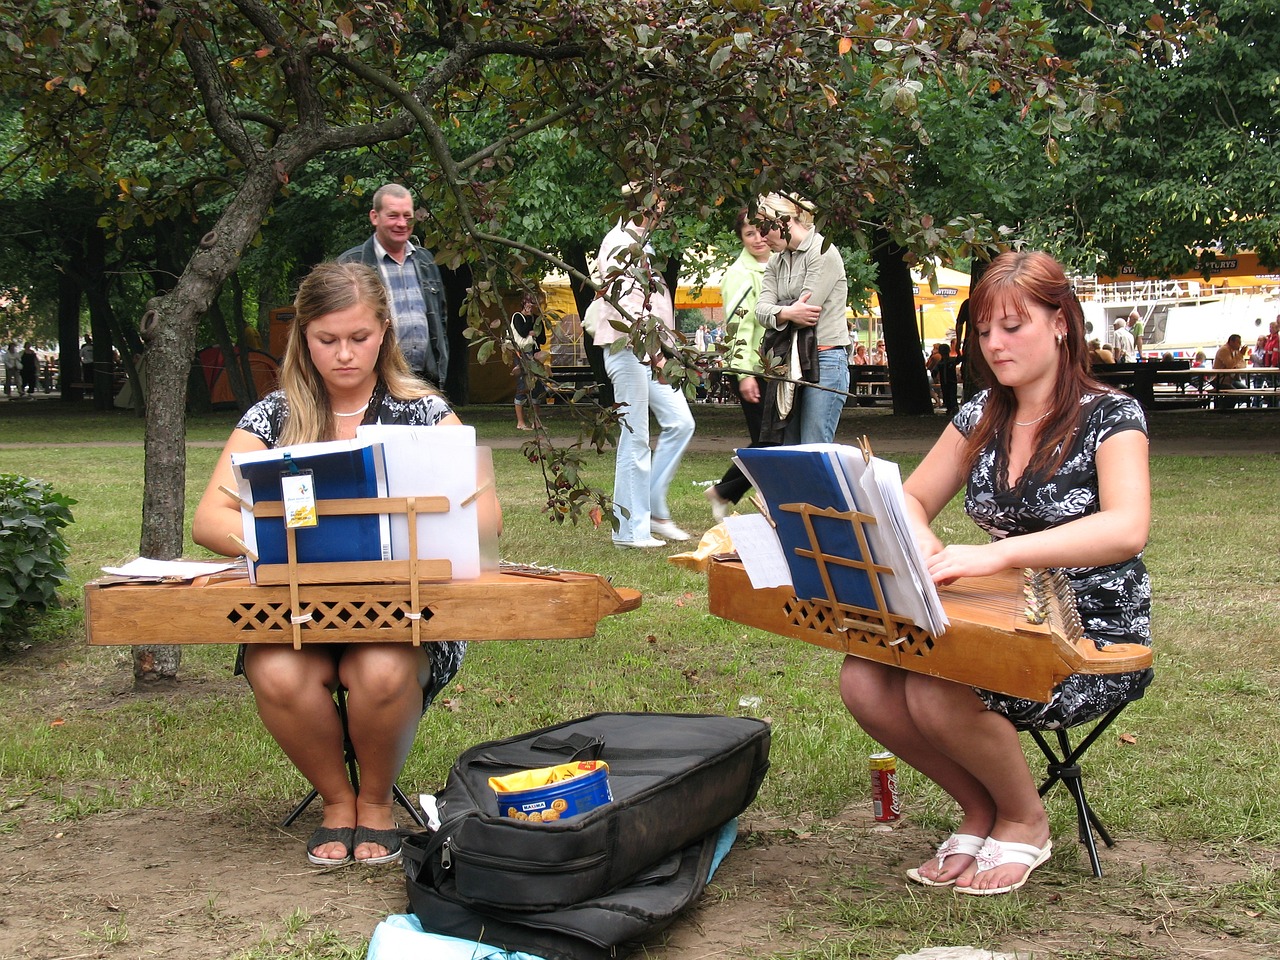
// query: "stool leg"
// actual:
[[297, 811], [401, 799], [1064, 767]]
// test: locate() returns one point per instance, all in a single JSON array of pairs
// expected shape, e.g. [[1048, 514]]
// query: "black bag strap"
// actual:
[[576, 746]]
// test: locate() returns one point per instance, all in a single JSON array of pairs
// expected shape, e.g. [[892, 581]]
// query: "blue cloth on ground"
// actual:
[[401, 937]]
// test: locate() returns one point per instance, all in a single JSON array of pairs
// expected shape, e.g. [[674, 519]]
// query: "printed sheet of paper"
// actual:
[[146, 568], [759, 550]]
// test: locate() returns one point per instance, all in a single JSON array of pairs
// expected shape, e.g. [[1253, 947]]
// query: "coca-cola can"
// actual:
[[885, 800]]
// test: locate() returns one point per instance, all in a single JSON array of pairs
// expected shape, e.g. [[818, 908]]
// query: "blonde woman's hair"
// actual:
[[777, 206], [328, 288]]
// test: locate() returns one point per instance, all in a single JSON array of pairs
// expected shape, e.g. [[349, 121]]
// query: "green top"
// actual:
[[739, 291]]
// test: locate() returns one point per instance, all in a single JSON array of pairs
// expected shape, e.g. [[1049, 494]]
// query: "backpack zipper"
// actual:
[[448, 852]]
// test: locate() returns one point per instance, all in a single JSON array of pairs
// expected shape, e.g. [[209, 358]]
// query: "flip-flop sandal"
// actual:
[[383, 838], [997, 853], [323, 835], [958, 844]]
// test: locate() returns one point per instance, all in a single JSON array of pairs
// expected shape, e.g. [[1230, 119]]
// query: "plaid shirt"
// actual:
[[408, 310]]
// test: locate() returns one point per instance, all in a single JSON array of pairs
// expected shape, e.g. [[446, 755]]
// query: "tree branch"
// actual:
[[218, 111]]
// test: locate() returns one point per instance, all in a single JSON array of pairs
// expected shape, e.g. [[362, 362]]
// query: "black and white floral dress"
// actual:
[[1114, 601], [265, 420]]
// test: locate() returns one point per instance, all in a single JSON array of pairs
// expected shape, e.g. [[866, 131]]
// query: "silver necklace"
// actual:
[[1032, 423], [353, 413]]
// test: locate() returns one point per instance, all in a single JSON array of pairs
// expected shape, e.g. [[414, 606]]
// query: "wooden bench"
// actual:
[[869, 384], [1139, 379]]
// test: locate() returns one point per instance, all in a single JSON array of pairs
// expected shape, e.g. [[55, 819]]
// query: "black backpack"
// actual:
[[676, 780], [602, 928]]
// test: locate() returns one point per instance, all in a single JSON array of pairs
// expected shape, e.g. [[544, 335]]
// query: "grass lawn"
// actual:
[[1198, 767]]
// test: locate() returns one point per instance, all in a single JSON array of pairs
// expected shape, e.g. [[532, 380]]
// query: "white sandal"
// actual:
[[958, 844], [997, 853]]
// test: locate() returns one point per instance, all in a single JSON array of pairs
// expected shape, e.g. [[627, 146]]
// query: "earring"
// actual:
[[1060, 339]]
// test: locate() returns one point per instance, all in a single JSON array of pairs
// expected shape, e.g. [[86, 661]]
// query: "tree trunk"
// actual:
[[100, 325], [578, 257], [965, 334], [69, 370], [169, 327], [457, 385], [242, 345], [908, 379]]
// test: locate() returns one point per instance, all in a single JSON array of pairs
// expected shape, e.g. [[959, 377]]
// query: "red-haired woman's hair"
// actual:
[[1022, 278]]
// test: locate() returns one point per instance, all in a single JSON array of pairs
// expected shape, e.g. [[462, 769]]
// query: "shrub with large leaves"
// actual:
[[32, 550]]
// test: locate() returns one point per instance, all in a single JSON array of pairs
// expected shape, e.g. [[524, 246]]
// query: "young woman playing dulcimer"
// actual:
[[1054, 468], [342, 367]]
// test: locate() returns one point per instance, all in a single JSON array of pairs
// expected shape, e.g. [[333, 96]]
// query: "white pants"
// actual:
[[641, 477]]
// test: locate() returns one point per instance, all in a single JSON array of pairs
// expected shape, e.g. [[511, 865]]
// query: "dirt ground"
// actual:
[[198, 885], [183, 884]]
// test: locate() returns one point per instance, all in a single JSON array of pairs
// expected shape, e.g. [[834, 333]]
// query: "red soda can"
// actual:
[[885, 800]]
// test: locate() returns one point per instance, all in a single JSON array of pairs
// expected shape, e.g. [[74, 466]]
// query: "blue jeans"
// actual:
[[820, 409], [641, 477]]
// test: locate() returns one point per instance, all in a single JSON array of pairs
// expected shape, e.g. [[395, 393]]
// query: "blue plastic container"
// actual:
[[577, 788]]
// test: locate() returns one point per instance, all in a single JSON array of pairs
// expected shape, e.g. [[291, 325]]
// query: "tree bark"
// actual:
[[169, 327], [69, 371], [578, 258]]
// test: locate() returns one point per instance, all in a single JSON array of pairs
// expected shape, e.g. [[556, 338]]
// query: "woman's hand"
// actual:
[[962, 560], [749, 389], [802, 313]]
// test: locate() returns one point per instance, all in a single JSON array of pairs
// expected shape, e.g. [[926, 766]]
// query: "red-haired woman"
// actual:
[[1054, 467]]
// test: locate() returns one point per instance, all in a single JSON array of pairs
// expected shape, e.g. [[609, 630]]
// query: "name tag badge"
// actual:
[[299, 499]]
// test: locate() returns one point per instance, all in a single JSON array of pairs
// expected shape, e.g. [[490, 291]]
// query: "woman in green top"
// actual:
[[739, 290]]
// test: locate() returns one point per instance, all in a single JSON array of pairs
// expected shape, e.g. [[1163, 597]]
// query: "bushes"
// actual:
[[32, 550]]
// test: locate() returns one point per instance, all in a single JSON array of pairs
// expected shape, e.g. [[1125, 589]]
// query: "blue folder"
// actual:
[[336, 474], [811, 474]]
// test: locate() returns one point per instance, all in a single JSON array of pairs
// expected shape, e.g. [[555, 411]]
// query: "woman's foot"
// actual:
[[331, 846], [720, 507], [1004, 866], [332, 843], [954, 857], [376, 840], [1007, 858], [660, 527]]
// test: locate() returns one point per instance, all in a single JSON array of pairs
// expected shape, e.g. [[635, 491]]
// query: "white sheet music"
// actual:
[[759, 550], [883, 481], [875, 487], [144, 568]]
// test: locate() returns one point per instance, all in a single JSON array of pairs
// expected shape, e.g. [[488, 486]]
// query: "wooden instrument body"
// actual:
[[494, 606], [990, 643]]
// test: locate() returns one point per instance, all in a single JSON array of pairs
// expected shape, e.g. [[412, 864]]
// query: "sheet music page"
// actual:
[[888, 481], [436, 461], [146, 568], [759, 550], [903, 590]]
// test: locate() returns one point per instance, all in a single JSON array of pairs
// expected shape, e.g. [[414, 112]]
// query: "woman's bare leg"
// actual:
[[876, 695], [294, 693], [384, 705], [985, 743]]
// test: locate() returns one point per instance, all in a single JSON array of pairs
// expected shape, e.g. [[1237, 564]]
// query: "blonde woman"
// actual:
[[342, 367], [805, 286]]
